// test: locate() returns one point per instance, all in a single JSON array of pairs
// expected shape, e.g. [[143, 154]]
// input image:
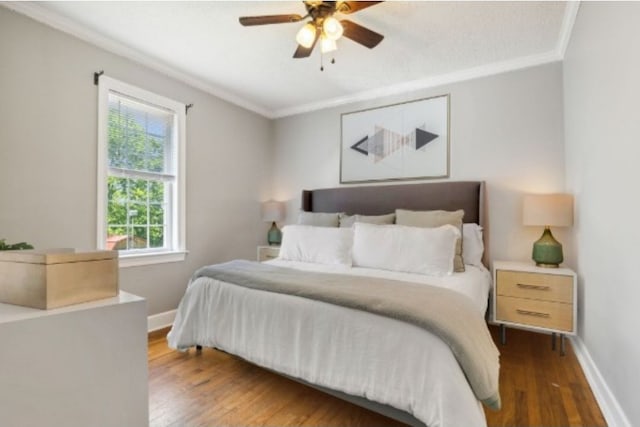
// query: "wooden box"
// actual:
[[57, 277]]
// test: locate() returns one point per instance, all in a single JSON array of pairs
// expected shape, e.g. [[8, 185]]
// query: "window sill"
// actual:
[[135, 260]]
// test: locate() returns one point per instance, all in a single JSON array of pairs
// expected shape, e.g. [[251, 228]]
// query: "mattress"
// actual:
[[359, 353]]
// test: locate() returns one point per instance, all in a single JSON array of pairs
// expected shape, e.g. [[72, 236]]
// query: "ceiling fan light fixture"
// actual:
[[322, 22], [306, 35], [327, 45], [332, 28]]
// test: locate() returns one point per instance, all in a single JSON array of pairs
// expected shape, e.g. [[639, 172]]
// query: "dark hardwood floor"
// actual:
[[212, 388]]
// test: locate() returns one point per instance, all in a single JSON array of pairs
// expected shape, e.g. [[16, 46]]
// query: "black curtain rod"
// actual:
[[96, 77], [96, 80]]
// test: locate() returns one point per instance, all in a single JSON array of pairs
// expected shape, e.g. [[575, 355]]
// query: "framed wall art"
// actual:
[[402, 141]]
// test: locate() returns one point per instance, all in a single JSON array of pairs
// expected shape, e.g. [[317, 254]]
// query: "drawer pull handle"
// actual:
[[532, 313], [534, 287]]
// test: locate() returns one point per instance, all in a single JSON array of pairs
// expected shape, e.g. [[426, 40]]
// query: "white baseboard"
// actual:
[[160, 320], [613, 413]]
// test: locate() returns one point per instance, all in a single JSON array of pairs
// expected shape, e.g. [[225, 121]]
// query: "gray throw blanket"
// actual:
[[450, 316]]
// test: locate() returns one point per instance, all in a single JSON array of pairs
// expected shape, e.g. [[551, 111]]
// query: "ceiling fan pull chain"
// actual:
[[321, 64]]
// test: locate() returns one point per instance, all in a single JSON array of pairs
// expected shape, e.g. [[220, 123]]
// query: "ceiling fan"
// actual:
[[323, 25]]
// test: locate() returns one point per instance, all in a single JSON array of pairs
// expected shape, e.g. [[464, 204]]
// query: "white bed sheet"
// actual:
[[356, 352]]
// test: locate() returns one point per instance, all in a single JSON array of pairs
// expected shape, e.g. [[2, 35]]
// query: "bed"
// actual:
[[382, 363]]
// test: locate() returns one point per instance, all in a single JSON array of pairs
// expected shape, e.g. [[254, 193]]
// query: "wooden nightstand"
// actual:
[[540, 299], [265, 253]]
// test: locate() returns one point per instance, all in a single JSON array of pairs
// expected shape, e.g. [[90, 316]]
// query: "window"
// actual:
[[141, 146]]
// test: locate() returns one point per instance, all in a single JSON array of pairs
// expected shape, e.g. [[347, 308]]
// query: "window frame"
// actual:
[[177, 251]]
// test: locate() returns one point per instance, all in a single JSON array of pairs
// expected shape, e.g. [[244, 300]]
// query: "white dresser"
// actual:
[[82, 365]]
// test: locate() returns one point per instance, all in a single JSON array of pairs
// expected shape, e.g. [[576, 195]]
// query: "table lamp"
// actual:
[[273, 211], [548, 210]]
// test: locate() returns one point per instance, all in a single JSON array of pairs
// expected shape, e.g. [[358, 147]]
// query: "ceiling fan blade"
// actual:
[[348, 7], [360, 34], [303, 52], [269, 19]]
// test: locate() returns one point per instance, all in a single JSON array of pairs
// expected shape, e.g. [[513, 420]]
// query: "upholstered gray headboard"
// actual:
[[383, 199]]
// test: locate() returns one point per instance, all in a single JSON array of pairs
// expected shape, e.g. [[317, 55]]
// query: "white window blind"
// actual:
[[142, 180]]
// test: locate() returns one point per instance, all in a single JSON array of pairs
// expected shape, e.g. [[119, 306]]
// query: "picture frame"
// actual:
[[403, 141]]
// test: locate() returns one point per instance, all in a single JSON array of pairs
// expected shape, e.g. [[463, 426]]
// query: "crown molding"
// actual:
[[568, 20], [421, 84], [57, 21], [570, 14], [61, 23]]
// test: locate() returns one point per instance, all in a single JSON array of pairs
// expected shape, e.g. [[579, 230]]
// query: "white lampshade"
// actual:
[[553, 210], [273, 211], [332, 28], [328, 45], [306, 35]]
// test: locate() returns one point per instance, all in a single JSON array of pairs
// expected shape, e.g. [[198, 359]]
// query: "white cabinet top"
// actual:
[[530, 267], [13, 313]]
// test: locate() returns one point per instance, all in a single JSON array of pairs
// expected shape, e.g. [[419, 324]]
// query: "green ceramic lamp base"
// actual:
[[274, 236], [547, 251]]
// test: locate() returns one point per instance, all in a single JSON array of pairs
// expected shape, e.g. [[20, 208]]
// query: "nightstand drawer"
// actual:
[[266, 253], [538, 286], [544, 314]]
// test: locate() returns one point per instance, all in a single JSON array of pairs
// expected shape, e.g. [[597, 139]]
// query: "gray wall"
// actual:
[[505, 129], [601, 87], [48, 137]]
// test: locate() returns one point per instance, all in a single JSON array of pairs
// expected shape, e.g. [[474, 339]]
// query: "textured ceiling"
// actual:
[[423, 40]]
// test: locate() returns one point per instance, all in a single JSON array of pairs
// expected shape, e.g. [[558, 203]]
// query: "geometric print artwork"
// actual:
[[406, 140], [384, 142]]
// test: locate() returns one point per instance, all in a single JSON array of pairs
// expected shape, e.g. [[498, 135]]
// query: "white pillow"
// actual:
[[421, 250], [320, 245], [435, 218], [472, 244]]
